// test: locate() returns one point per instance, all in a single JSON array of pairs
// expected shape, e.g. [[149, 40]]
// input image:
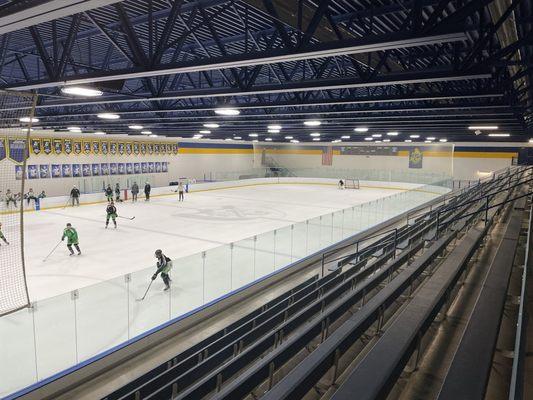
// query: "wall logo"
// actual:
[[415, 158]]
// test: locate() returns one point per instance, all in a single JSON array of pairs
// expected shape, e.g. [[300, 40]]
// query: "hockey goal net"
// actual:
[[351, 183]]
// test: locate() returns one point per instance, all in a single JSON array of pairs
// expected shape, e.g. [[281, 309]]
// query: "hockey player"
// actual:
[[10, 198], [111, 211], [2, 235], [117, 192], [70, 233], [180, 191], [31, 196], [108, 193], [341, 184], [134, 192], [75, 196], [164, 265], [147, 189]]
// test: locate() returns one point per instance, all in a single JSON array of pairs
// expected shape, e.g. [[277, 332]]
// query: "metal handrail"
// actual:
[[517, 374]]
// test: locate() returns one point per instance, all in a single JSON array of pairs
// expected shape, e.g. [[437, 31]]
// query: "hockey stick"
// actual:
[[68, 201], [147, 289], [118, 216], [54, 249]]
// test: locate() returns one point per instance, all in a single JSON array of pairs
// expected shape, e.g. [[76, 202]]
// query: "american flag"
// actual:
[[327, 155]]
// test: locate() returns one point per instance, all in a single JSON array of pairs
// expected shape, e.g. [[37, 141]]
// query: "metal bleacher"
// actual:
[[284, 348]]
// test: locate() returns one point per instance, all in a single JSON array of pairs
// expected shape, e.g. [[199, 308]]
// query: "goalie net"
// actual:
[[351, 183]]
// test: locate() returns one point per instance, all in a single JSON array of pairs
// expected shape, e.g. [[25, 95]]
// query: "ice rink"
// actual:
[[204, 220]]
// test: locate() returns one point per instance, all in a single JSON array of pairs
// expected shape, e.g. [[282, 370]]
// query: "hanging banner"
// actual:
[[415, 158], [44, 171], [169, 148], [151, 167], [66, 170], [56, 171], [135, 148], [104, 169], [121, 148], [157, 166], [164, 167], [113, 169], [36, 146], [144, 167], [104, 147], [156, 148], [129, 168], [86, 147], [128, 148], [136, 168], [113, 147], [47, 146], [33, 172], [3, 152], [76, 170], [96, 147], [58, 146], [143, 148], [95, 169], [86, 169], [175, 148], [150, 148], [17, 150], [121, 168], [77, 147], [67, 145]]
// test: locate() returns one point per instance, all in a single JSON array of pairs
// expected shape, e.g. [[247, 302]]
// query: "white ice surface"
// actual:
[[203, 221]]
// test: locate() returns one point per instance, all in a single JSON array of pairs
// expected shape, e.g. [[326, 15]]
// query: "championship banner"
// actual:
[[104, 147], [95, 169], [175, 148], [44, 171], [77, 147], [36, 147], [3, 152], [129, 168], [96, 147], [143, 148], [76, 170], [151, 167], [169, 148], [86, 147], [128, 148], [121, 148], [157, 166], [17, 150], [415, 158], [135, 148], [156, 148], [33, 172], [113, 147], [121, 169], [47, 146], [136, 168], [150, 148], [86, 169], [164, 167], [67, 145], [58, 146]]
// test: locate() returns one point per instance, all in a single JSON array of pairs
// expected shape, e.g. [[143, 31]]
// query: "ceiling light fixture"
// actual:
[[154, 136], [288, 137], [316, 139], [376, 135], [146, 132], [361, 129], [268, 139], [483, 127], [394, 133], [273, 131], [407, 140], [345, 137], [274, 127], [205, 132], [499, 135], [414, 136], [443, 140], [135, 127], [237, 137], [430, 138], [99, 133], [108, 116], [253, 135], [211, 125], [81, 91], [369, 139], [28, 119], [312, 123], [227, 111], [314, 134], [295, 141]]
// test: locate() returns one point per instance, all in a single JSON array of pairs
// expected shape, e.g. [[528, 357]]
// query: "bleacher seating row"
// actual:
[[234, 361]]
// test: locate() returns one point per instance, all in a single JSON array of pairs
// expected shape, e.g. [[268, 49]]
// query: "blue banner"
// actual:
[[56, 171], [76, 170], [86, 169], [95, 169], [66, 170], [33, 172], [44, 171], [17, 149]]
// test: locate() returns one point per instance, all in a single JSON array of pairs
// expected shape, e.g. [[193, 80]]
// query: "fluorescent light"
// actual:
[[295, 141], [361, 129], [108, 116], [274, 127], [74, 128], [483, 127], [255, 141], [377, 141], [81, 91], [386, 140], [253, 135], [407, 140], [393, 133], [312, 123], [237, 137], [211, 125], [273, 131], [99, 133], [314, 134], [288, 137], [345, 137], [499, 134], [228, 139], [316, 139], [530, 140], [376, 135], [135, 127], [146, 132], [414, 136], [443, 140], [369, 138], [336, 141], [198, 136], [268, 139], [204, 131], [28, 119], [26, 129], [430, 138], [227, 111], [427, 141], [154, 136]]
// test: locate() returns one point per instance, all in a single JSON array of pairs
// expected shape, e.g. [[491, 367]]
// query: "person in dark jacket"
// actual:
[[147, 189], [75, 196]]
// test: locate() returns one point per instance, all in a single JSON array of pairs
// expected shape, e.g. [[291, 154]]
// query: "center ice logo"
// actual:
[[231, 213]]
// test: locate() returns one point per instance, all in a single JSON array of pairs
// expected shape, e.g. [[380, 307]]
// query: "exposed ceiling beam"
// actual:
[[321, 50], [17, 17]]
